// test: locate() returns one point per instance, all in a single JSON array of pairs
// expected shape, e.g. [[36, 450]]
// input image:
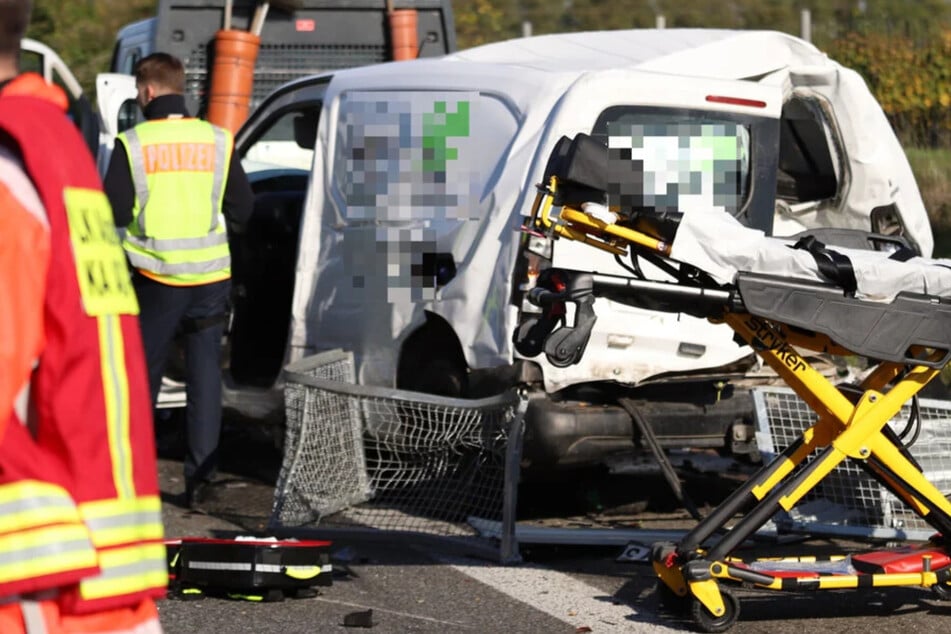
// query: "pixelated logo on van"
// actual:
[[407, 157], [407, 167], [438, 127], [404, 254]]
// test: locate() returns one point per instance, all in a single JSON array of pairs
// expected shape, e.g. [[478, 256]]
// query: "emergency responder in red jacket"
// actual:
[[80, 528]]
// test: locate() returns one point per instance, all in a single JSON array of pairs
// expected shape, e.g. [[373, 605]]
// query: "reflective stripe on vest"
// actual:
[[123, 529], [45, 551], [127, 569], [179, 169], [29, 503], [128, 534], [115, 522], [42, 532]]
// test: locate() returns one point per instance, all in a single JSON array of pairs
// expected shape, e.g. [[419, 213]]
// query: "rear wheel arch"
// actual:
[[431, 360]]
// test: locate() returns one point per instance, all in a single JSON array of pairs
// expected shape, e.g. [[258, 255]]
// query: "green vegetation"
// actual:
[[911, 80], [902, 48], [83, 32], [480, 21], [932, 168]]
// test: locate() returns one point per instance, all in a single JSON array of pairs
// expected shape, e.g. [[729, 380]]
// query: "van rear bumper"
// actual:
[[576, 433], [573, 433]]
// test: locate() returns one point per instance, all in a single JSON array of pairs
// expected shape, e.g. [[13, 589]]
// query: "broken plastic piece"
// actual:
[[359, 619]]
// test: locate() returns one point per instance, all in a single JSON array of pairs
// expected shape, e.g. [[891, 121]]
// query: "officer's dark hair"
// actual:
[[14, 18], [161, 70]]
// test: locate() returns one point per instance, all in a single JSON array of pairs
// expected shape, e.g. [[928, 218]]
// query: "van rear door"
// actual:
[[39, 58], [658, 118], [118, 111]]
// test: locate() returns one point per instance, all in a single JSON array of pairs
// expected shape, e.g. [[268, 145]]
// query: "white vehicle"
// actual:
[[398, 238], [37, 57]]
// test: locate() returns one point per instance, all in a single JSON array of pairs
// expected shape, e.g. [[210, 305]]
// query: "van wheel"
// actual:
[[432, 362], [439, 376], [442, 377]]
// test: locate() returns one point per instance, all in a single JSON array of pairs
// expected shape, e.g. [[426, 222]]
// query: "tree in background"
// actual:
[[83, 32], [899, 46], [911, 81], [483, 21], [917, 19]]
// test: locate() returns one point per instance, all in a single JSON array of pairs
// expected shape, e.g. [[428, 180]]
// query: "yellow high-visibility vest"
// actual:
[[179, 169]]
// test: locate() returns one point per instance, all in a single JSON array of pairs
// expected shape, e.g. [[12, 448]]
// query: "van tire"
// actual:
[[442, 377], [431, 361]]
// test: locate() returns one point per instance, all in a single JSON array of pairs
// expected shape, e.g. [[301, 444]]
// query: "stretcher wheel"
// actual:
[[706, 622]]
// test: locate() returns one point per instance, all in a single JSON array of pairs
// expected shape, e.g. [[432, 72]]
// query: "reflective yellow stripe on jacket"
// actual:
[[128, 534], [115, 391], [127, 570], [179, 169], [126, 529], [41, 532]]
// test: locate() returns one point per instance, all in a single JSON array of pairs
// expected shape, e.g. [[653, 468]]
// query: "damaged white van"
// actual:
[[389, 200]]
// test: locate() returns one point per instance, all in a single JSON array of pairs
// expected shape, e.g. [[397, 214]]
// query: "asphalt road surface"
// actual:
[[438, 589]]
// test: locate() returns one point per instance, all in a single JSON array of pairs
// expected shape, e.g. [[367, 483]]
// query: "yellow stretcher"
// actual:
[[772, 315]]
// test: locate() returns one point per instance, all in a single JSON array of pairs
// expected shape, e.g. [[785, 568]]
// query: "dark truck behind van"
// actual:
[[319, 36]]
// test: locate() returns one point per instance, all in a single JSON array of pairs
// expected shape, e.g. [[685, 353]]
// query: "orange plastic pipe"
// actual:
[[232, 78], [404, 37]]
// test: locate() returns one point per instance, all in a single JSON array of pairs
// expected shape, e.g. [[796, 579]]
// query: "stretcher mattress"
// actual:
[[721, 246]]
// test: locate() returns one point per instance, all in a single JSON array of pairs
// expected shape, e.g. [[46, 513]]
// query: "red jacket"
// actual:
[[79, 504]]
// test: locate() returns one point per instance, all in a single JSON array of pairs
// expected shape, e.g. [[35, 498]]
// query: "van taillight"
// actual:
[[736, 101]]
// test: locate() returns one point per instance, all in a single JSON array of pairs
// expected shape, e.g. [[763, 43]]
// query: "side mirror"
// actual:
[[305, 130]]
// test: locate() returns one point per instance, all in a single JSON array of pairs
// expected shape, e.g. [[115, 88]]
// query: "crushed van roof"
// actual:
[[714, 53]]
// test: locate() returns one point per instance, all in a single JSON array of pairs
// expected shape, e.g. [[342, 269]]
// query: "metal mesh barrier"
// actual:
[[358, 456], [848, 501]]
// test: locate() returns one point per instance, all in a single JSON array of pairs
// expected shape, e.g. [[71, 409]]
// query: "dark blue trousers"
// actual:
[[201, 313]]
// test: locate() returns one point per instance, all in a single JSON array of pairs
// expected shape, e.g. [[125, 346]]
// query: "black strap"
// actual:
[[832, 265], [903, 254]]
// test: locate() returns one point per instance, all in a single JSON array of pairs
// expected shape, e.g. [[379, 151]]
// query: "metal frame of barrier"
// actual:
[[384, 464]]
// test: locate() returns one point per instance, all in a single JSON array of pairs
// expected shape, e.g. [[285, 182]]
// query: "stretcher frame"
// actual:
[[695, 573]]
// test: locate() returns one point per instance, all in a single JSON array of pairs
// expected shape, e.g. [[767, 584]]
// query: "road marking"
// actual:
[[561, 596], [394, 612]]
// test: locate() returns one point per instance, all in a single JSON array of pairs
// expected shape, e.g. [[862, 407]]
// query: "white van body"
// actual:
[[546, 87], [39, 58], [422, 172]]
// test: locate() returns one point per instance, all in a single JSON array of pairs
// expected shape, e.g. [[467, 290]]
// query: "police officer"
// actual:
[[174, 182], [81, 523]]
